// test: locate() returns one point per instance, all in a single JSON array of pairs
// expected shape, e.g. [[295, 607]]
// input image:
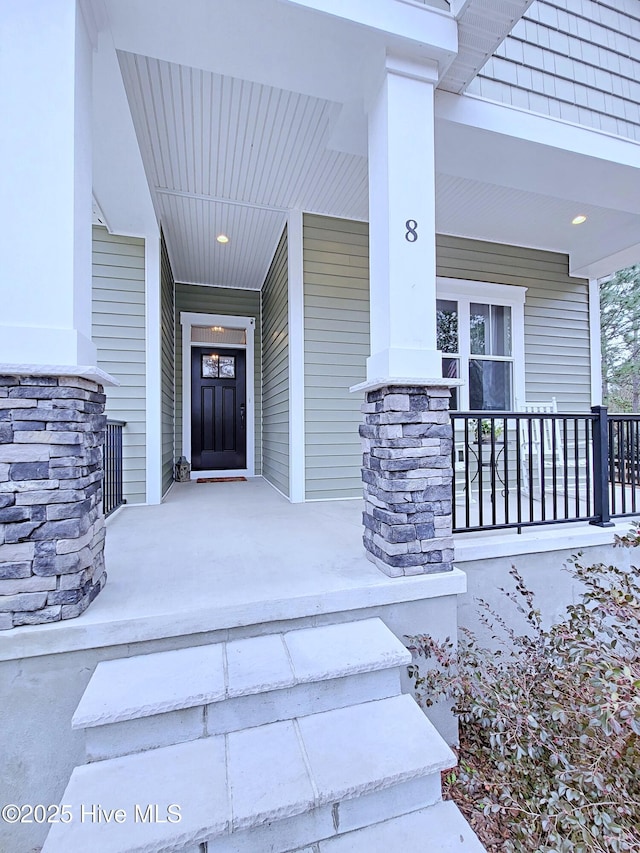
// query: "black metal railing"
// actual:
[[522, 469], [112, 487], [624, 464]]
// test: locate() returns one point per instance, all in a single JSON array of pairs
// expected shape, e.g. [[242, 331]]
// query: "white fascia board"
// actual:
[[521, 124], [602, 267], [434, 29]]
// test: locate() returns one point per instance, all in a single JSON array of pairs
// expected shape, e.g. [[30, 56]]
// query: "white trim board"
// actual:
[[187, 320], [510, 295]]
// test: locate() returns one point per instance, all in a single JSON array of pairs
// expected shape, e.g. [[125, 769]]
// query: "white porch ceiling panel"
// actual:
[[484, 211], [228, 155], [196, 256]]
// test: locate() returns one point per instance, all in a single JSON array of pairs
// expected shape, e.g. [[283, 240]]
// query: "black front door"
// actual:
[[218, 409]]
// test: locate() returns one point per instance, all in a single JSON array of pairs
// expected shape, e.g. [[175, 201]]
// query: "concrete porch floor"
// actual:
[[217, 556]]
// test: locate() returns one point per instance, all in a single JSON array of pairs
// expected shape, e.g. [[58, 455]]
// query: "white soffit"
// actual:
[[209, 141], [503, 215]]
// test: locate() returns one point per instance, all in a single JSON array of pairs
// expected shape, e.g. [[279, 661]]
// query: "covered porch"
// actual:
[[237, 558]]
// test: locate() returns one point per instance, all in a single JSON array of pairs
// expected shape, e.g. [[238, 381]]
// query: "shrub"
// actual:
[[550, 721]]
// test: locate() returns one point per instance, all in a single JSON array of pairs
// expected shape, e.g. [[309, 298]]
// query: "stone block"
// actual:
[[394, 533], [26, 584], [47, 437], [29, 471], [22, 426], [14, 533], [426, 431], [7, 500], [438, 404], [12, 403], [24, 452], [72, 546], [70, 528], [62, 564], [9, 571], [38, 617], [38, 381], [40, 496], [391, 431], [17, 552], [60, 511], [418, 403], [14, 513], [390, 517], [24, 601], [64, 596], [50, 415], [396, 403], [6, 433], [6, 621], [437, 493], [4, 472], [390, 548], [425, 530]]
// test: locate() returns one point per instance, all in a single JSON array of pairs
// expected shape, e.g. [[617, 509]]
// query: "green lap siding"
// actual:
[[167, 308], [336, 329], [118, 332], [197, 298], [556, 313], [336, 345], [275, 372]]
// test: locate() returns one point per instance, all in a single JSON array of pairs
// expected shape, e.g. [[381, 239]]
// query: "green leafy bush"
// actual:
[[550, 721]]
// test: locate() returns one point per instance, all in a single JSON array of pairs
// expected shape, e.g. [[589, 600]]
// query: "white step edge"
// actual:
[[145, 685], [439, 828], [123, 738], [251, 778]]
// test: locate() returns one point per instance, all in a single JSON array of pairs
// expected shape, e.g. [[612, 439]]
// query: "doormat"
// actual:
[[221, 480]]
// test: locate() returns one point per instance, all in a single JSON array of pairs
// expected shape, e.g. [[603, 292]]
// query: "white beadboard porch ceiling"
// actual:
[[224, 155]]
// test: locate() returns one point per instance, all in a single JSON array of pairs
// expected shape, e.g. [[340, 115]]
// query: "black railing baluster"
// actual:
[[113, 481]]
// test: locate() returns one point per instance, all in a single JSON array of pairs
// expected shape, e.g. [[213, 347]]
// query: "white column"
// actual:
[[402, 225], [152, 272], [595, 344], [296, 357], [45, 194]]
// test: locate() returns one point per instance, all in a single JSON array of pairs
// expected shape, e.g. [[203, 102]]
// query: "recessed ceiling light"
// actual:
[[578, 220], [222, 238]]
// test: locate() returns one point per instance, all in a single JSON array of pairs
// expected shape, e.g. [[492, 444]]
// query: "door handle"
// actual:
[[242, 408]]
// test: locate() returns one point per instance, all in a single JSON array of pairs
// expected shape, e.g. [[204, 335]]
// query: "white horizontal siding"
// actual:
[[336, 331], [578, 61], [119, 334], [275, 371]]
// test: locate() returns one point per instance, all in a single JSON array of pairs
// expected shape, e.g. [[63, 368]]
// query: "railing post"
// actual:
[[601, 506]]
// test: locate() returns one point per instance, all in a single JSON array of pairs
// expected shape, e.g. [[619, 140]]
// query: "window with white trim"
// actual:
[[481, 336]]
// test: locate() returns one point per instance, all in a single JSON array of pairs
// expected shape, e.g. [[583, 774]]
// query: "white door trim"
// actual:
[[187, 320]]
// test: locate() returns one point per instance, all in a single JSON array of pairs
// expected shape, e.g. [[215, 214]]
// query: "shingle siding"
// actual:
[[118, 330], [275, 371], [576, 61]]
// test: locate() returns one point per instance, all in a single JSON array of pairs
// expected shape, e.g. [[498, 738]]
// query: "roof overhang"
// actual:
[[288, 85]]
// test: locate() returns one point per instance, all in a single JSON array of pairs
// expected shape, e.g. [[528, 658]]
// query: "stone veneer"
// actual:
[[51, 521], [407, 478]]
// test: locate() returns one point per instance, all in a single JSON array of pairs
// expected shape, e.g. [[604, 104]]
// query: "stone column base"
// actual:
[[51, 521], [407, 478]]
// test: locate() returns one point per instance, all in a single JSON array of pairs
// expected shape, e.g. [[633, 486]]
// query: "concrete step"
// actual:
[[439, 828], [277, 787], [155, 700]]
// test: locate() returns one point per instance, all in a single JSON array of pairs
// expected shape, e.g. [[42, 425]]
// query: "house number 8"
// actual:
[[411, 234]]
